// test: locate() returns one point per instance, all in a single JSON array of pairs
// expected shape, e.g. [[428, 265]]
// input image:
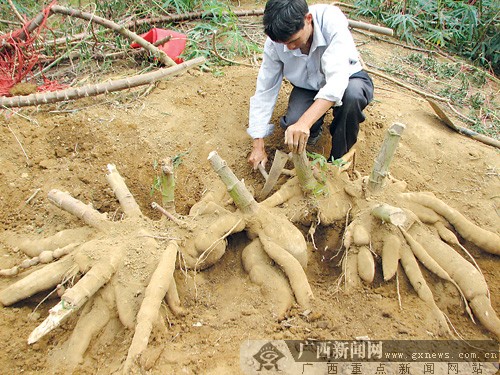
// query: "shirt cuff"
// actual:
[[324, 94], [260, 131]]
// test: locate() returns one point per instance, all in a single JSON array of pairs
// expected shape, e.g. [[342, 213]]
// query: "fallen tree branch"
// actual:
[[199, 15], [369, 27], [97, 89], [120, 29], [245, 13], [102, 56]]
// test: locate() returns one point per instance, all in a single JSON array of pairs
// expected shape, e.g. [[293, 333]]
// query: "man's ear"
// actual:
[[308, 18]]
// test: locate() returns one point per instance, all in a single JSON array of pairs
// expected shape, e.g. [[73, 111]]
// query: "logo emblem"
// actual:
[[268, 357]]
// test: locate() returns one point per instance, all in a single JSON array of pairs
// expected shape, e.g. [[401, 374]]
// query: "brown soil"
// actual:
[[196, 113]]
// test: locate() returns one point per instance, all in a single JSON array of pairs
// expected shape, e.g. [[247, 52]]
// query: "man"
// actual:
[[313, 48]]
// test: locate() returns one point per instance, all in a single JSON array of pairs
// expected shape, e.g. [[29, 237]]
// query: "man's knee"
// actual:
[[354, 97], [358, 93]]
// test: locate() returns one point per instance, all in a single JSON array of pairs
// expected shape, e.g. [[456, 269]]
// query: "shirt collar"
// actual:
[[318, 38]]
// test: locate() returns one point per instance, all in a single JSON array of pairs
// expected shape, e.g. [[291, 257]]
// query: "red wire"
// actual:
[[18, 57]]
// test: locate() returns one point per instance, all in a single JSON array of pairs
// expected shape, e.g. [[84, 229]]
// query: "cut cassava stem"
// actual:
[[236, 188], [75, 297], [390, 214], [167, 184], [384, 158], [307, 181], [180, 223], [122, 193], [75, 207], [97, 89]]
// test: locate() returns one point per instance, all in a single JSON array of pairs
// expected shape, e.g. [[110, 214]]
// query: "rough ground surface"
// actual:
[[197, 113]]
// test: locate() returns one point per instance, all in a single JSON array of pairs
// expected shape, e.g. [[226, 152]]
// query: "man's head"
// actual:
[[283, 19]]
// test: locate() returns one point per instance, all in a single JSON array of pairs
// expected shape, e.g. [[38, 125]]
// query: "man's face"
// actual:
[[301, 38]]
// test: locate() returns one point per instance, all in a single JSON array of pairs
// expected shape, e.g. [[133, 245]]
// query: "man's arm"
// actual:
[[296, 135], [262, 103]]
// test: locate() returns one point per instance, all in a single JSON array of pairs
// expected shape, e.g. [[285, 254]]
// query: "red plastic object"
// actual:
[[173, 48]]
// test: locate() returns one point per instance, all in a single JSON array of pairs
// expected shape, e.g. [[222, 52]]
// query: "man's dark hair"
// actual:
[[283, 18]]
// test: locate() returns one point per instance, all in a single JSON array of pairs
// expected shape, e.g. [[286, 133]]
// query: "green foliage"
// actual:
[[177, 159], [338, 162], [317, 160], [322, 162], [469, 28], [181, 6], [220, 21], [159, 179]]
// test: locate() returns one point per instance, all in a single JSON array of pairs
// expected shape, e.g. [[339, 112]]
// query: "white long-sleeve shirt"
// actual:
[[332, 59]]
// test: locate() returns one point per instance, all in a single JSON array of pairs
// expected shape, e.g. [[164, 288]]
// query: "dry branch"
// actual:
[[120, 29], [411, 88], [97, 89], [200, 15]]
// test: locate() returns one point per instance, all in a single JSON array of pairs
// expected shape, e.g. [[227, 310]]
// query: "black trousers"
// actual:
[[346, 118]]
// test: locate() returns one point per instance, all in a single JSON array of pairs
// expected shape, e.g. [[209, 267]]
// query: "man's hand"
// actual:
[[296, 137], [258, 154]]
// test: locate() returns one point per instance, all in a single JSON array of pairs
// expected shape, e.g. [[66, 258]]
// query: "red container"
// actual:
[[173, 48]]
